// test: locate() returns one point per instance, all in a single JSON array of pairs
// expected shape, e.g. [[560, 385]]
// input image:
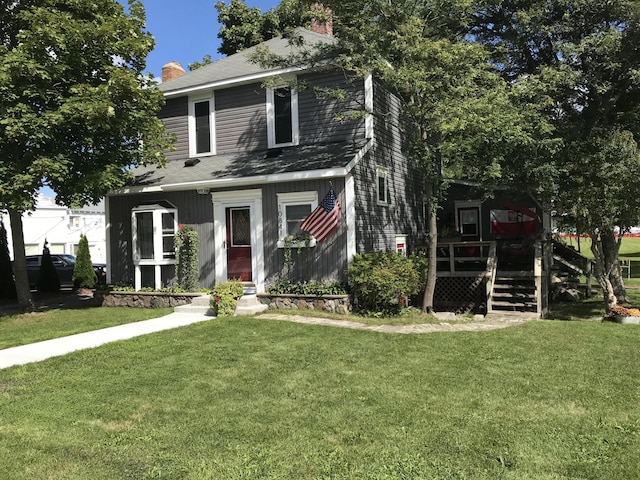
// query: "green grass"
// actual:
[[629, 249], [242, 398], [34, 327]]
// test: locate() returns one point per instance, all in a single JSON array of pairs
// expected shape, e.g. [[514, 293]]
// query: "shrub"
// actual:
[[377, 280], [83, 273], [7, 282], [323, 287], [48, 280], [187, 258], [224, 297]]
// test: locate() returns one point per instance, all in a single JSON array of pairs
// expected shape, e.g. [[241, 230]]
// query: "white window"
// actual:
[[201, 126], [293, 208], [382, 186], [282, 117], [154, 228]]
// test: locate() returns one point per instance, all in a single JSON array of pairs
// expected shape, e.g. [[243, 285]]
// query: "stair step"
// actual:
[[250, 305]]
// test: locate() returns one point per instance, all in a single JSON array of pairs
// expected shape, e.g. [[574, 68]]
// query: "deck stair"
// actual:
[[514, 292]]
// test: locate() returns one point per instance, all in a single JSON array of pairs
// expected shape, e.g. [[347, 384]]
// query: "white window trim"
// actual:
[[158, 261], [271, 119], [293, 198], [468, 204], [382, 172], [192, 125]]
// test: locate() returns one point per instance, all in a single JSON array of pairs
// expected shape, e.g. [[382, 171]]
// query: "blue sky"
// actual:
[[185, 31]]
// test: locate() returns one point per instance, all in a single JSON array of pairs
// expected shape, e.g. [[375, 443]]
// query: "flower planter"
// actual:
[[627, 319]]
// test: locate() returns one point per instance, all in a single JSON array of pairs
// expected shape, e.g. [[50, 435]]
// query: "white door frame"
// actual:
[[238, 198]]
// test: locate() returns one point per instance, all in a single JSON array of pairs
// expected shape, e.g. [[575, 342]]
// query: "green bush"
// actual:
[[377, 280], [224, 297], [7, 283], [83, 273], [187, 273], [48, 280], [323, 287]]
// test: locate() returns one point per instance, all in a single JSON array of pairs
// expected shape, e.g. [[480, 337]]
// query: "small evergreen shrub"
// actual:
[[378, 280], [83, 273], [48, 280], [224, 297], [7, 282], [187, 258]]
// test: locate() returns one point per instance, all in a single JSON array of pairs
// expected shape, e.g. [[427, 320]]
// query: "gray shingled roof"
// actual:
[[245, 165], [238, 65]]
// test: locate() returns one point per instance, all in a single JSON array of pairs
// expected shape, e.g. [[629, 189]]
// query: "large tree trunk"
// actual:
[[605, 250], [19, 261], [432, 236]]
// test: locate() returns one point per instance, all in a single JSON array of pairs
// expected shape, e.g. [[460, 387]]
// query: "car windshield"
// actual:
[[68, 258]]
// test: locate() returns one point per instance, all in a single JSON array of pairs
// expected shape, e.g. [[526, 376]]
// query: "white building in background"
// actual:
[[61, 227]]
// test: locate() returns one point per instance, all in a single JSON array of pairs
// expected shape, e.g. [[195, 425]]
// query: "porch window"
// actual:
[[282, 117], [154, 228], [293, 208], [201, 126], [382, 185]]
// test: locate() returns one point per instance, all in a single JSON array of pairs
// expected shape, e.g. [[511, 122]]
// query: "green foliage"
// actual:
[[7, 283], [224, 297], [186, 245], [320, 288], [83, 273], [48, 280], [77, 108], [243, 26], [378, 279]]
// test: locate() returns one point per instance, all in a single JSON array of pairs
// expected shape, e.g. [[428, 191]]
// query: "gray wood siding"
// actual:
[[317, 117], [193, 209], [175, 116], [326, 261], [241, 119], [378, 225]]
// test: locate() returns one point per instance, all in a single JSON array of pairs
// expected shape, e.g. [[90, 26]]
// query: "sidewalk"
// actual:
[[37, 352]]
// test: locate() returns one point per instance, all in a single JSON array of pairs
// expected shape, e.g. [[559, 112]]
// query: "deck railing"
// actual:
[[462, 259]]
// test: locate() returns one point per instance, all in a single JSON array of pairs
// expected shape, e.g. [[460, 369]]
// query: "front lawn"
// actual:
[[251, 399], [27, 328]]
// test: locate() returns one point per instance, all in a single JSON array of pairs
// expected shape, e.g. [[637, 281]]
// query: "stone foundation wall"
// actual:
[[328, 303], [144, 299]]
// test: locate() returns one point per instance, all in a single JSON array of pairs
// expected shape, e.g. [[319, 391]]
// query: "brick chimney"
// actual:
[[172, 70], [323, 23]]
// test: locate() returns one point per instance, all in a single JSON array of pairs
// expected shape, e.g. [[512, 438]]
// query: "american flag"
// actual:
[[324, 219]]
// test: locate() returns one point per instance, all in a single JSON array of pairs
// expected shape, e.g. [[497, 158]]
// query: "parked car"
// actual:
[[64, 265]]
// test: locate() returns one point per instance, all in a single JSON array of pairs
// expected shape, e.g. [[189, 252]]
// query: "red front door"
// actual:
[[239, 244]]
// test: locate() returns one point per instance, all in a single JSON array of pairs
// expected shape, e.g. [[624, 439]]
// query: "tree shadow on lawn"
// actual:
[[66, 298], [586, 310]]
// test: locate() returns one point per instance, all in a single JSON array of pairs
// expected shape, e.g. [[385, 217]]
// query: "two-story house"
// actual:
[[254, 157]]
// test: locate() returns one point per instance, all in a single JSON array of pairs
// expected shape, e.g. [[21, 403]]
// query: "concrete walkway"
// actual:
[[37, 352], [491, 322]]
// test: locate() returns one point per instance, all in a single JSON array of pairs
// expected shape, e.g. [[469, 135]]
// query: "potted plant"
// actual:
[[622, 314]]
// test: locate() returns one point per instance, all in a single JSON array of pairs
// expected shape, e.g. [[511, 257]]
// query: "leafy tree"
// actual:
[[48, 280], [7, 283], [584, 57], [83, 273], [76, 110], [244, 26]]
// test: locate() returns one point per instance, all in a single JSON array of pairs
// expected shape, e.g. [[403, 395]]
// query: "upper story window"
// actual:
[[293, 208], [282, 116], [201, 126], [382, 185]]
